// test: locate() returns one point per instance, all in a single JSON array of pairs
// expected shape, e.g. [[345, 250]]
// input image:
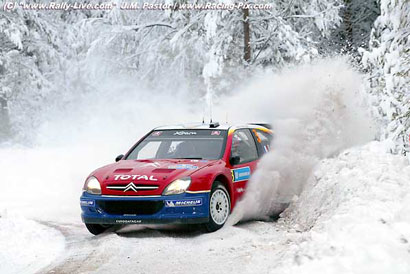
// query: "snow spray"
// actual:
[[316, 112]]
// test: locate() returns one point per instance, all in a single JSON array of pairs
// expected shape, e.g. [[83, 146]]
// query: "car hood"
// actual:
[[148, 177]]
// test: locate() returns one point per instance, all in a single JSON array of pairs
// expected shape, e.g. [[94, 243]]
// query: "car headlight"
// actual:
[[177, 187], [92, 186]]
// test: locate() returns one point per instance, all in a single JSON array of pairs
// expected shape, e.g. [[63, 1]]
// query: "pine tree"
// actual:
[[387, 62], [51, 59]]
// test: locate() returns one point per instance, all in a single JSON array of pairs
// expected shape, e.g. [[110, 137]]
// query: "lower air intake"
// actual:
[[131, 207]]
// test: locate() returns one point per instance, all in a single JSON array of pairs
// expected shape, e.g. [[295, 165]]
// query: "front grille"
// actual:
[[131, 187], [131, 207]]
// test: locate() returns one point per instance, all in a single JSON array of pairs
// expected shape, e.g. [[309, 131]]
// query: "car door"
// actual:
[[245, 155]]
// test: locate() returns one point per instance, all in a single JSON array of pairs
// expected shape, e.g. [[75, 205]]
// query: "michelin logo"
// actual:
[[179, 203]]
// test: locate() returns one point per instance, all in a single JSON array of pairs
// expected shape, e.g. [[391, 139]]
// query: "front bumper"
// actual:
[[184, 208]]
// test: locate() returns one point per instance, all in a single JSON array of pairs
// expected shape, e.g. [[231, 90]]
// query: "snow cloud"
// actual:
[[316, 112]]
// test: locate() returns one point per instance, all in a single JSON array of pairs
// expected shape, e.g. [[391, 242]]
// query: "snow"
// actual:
[[351, 214], [50, 186], [314, 110], [351, 218], [81, 87], [27, 246]]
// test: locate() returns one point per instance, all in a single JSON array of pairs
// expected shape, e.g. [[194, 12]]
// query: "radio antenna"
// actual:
[[209, 95], [210, 107]]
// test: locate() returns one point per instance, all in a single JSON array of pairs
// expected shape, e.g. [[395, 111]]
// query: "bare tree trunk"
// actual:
[[247, 39], [4, 120], [347, 18]]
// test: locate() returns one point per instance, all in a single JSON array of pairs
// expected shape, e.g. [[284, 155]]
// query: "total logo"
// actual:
[[134, 177]]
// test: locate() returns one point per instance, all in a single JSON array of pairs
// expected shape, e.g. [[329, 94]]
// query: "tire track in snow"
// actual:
[[82, 251], [232, 249], [86, 253]]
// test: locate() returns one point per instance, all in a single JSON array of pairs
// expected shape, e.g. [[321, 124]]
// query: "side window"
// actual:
[[263, 140], [243, 146]]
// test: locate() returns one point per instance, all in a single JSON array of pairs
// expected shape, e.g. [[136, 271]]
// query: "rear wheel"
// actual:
[[219, 207], [97, 229]]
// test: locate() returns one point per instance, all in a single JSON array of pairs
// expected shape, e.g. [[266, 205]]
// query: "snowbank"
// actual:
[[48, 180], [353, 215], [27, 246]]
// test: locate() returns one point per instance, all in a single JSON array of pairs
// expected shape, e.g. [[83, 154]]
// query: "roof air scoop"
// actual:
[[214, 125]]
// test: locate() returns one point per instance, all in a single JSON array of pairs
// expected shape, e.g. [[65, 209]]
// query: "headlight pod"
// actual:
[[92, 186], [177, 187]]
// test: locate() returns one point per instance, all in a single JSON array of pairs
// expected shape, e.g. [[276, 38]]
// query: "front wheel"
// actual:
[[97, 229], [219, 207]]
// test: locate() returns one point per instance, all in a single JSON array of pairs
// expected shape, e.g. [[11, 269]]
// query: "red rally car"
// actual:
[[176, 174]]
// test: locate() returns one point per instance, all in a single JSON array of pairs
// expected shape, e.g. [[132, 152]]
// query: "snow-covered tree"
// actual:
[[354, 31], [50, 59], [27, 59], [388, 64]]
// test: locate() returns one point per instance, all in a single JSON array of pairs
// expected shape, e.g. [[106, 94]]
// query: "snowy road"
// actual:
[[237, 249]]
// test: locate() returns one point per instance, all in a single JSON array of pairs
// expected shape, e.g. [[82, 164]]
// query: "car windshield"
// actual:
[[180, 144]]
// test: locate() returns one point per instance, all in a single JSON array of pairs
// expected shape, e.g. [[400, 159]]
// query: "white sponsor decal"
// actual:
[[182, 166], [185, 133], [169, 204], [134, 177], [178, 203], [246, 173], [86, 203], [128, 221], [240, 190]]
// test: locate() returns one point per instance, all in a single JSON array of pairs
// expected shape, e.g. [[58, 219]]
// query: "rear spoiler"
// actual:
[[268, 126]]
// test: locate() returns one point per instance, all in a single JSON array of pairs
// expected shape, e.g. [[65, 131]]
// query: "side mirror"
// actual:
[[234, 160], [119, 157]]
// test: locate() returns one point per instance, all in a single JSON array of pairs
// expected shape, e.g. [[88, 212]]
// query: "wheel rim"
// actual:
[[219, 206]]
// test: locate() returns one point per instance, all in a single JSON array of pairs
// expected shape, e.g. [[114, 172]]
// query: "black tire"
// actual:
[[218, 214], [97, 229]]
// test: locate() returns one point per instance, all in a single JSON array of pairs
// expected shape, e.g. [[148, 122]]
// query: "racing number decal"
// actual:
[[241, 174]]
